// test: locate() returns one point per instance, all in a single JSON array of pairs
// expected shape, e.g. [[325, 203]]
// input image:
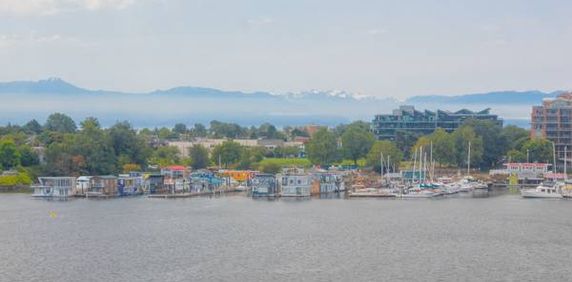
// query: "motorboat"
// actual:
[[543, 191]]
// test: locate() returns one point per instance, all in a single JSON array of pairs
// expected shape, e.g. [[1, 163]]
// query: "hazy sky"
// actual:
[[384, 48]]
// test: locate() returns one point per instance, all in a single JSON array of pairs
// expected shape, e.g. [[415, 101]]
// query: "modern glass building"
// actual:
[[407, 119]]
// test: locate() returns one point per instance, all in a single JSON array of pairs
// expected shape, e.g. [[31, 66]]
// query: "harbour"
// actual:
[[461, 237]]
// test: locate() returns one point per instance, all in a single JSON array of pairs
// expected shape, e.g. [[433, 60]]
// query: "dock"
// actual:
[[189, 194]]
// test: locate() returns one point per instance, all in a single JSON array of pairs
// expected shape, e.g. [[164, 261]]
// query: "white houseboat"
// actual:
[[54, 187], [264, 185], [295, 183]]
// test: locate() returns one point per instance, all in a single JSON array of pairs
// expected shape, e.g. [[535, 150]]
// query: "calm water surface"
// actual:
[[234, 238]]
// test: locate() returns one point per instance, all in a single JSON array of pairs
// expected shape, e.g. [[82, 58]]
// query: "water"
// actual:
[[234, 238]]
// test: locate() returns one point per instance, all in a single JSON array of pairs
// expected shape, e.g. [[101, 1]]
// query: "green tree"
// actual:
[[94, 145], [33, 127], [515, 136], [386, 147], [180, 128], [199, 130], [462, 136], [61, 123], [228, 153], [199, 156], [356, 142], [165, 156], [539, 150], [323, 147], [516, 156], [9, 154], [131, 147], [27, 156], [495, 144]]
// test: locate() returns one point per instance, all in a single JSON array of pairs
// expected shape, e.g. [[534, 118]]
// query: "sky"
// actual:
[[381, 48]]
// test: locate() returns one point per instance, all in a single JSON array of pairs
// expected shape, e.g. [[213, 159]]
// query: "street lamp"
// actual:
[[527, 156]]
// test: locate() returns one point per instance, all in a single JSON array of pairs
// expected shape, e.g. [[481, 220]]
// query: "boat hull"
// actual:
[[535, 194]]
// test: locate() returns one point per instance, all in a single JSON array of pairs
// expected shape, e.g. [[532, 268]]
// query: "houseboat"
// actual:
[[295, 183], [264, 185], [102, 186], [130, 184], [154, 184], [54, 187], [324, 182], [82, 185], [204, 181]]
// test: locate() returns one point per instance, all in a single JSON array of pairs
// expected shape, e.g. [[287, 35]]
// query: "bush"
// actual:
[[21, 178]]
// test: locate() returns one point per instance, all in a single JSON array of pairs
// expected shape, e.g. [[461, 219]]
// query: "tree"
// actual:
[[516, 156], [405, 140], [515, 136], [388, 148], [356, 142], [9, 154], [250, 156], [27, 156], [33, 127], [199, 157], [180, 128], [539, 150], [61, 123], [443, 146], [94, 145], [228, 153], [131, 167], [495, 144], [323, 147], [165, 156], [462, 136], [199, 130], [128, 145]]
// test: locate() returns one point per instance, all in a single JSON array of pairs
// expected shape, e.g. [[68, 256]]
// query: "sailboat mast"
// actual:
[[469, 159], [565, 164]]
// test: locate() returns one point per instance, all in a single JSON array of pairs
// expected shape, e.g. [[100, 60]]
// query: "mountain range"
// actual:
[[25, 100]]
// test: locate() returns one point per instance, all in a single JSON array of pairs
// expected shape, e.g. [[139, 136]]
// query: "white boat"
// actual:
[[542, 191], [419, 192], [371, 192]]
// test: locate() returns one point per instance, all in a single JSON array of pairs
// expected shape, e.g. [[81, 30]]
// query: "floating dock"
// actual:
[[189, 195]]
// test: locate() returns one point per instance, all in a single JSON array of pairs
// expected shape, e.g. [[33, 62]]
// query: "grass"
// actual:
[[285, 162]]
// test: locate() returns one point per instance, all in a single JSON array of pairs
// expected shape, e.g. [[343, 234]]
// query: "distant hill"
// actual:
[[187, 104], [491, 98]]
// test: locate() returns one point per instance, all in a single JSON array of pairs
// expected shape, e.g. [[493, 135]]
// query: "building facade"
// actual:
[[407, 119], [553, 121]]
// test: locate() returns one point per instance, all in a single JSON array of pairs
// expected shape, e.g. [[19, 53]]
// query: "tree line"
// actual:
[[90, 149]]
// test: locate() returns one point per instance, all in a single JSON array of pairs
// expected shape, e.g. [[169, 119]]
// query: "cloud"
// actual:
[[50, 7]]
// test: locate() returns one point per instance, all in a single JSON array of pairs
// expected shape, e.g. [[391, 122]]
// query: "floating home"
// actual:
[[54, 187], [154, 184], [264, 185], [130, 184], [82, 185], [175, 178], [295, 183], [102, 186], [325, 182], [204, 181]]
